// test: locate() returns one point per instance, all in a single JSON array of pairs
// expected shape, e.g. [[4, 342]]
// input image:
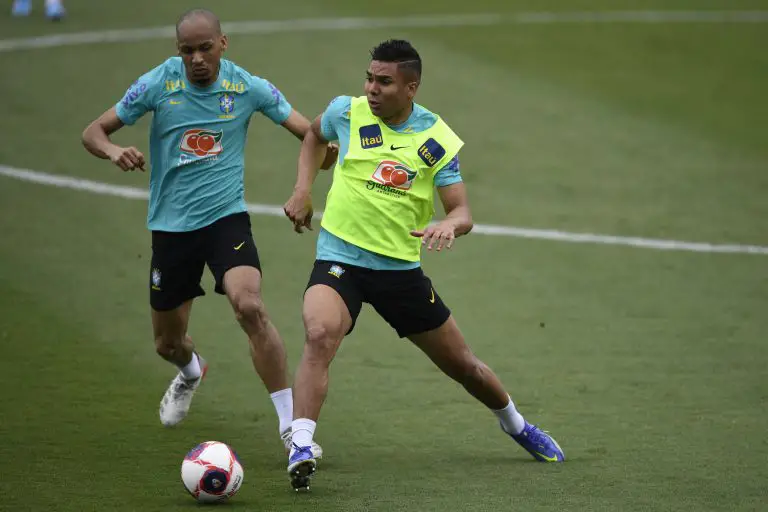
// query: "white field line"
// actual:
[[483, 229], [415, 21]]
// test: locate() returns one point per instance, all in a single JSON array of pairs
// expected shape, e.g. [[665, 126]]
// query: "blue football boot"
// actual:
[[539, 443], [301, 466]]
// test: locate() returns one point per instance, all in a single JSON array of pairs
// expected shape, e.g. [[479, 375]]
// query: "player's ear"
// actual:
[[412, 87], [224, 42]]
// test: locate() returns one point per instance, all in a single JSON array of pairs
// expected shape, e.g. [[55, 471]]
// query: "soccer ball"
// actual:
[[211, 472]]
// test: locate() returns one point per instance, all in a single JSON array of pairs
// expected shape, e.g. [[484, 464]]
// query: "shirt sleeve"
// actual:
[[267, 99], [336, 113], [449, 174], [140, 97]]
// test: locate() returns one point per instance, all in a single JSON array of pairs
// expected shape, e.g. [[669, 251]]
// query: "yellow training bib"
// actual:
[[384, 187]]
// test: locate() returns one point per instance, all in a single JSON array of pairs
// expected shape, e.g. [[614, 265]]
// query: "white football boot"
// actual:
[[178, 397]]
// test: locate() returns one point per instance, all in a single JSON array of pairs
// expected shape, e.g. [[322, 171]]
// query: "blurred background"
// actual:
[[641, 119]]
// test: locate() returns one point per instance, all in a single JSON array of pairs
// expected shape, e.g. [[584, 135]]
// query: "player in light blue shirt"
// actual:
[[202, 106], [197, 140]]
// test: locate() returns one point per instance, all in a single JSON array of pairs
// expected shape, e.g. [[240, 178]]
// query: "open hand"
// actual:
[[443, 234]]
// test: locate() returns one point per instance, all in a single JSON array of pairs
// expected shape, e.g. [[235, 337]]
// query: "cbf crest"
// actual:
[[156, 276], [336, 271], [227, 103]]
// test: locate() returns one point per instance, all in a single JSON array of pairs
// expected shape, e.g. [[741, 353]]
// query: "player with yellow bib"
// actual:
[[393, 153]]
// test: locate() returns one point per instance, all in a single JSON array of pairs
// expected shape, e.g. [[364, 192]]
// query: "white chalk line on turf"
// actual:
[[483, 229], [415, 21]]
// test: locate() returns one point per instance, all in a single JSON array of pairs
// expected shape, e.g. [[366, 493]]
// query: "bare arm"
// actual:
[[297, 124], [310, 157], [300, 126], [313, 151], [456, 206], [457, 221], [96, 141]]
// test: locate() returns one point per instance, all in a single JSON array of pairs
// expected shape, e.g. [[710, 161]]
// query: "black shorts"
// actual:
[[404, 298], [178, 259]]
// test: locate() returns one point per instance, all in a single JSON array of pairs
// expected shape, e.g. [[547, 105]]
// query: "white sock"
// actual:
[[511, 421], [192, 370], [303, 431], [52, 3], [283, 401]]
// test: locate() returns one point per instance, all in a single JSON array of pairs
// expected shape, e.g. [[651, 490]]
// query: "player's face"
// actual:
[[201, 47], [389, 90]]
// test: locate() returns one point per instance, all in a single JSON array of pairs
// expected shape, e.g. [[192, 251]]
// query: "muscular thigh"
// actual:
[[338, 283]]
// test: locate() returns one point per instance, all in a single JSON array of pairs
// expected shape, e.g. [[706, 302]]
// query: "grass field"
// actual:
[[650, 367]]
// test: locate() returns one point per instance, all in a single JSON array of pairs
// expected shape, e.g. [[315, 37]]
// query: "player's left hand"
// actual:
[[331, 154], [443, 234], [298, 208]]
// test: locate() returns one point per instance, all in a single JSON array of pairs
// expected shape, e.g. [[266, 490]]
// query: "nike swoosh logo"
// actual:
[[432, 299], [393, 147], [175, 102], [548, 459], [237, 247]]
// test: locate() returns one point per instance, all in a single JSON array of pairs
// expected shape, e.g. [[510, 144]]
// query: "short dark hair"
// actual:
[[400, 51], [205, 13]]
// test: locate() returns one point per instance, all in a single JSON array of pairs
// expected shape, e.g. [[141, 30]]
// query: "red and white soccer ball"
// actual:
[[211, 472]]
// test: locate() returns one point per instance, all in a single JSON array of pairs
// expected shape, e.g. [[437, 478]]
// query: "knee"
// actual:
[[320, 341], [166, 347], [249, 309], [318, 335]]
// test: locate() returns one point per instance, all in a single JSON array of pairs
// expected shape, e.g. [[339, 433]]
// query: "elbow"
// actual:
[[85, 137], [313, 142], [309, 136]]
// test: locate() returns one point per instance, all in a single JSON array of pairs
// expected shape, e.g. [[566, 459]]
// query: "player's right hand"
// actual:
[[127, 159], [299, 209], [331, 155]]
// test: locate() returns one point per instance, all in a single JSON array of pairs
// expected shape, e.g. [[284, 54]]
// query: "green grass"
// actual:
[[649, 367]]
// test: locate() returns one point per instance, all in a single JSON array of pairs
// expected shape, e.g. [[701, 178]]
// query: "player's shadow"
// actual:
[[497, 460], [233, 504]]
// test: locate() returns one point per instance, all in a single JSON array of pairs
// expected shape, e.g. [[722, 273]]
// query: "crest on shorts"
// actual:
[[156, 275], [336, 271]]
